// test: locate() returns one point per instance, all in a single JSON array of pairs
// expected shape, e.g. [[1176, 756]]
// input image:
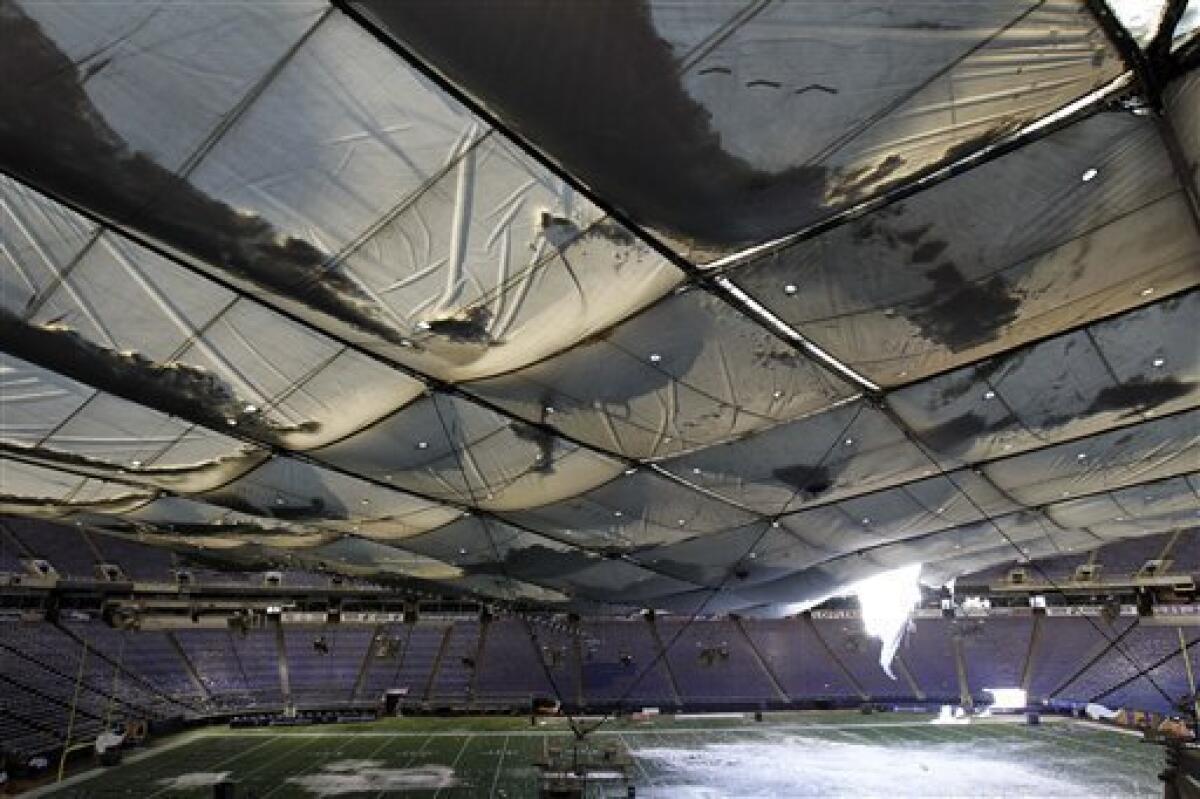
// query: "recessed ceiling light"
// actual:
[[866, 520], [549, 409], [655, 357], [848, 442], [777, 394], [1158, 362], [1089, 174], [136, 464], [1081, 456], [422, 445], [618, 514], [1146, 292], [682, 522], [987, 395], [752, 555], [696, 470], [790, 289]]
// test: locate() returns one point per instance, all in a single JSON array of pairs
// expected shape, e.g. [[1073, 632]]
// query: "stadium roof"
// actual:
[[712, 305]]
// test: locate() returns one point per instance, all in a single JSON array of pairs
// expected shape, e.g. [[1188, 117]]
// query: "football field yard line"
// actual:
[[137, 757], [454, 764], [499, 766], [637, 762], [286, 755], [318, 764], [408, 761], [220, 763]]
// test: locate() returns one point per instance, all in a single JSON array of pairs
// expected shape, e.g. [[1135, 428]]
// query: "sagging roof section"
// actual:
[[424, 291]]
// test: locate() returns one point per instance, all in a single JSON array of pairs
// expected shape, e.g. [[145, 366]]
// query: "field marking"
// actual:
[[499, 765], [454, 763], [220, 763], [318, 764], [92, 773], [408, 762], [566, 731], [637, 762]]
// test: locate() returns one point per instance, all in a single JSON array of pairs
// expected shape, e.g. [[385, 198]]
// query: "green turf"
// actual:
[[493, 756]]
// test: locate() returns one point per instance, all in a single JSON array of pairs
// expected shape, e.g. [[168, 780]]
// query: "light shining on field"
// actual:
[[802, 766]]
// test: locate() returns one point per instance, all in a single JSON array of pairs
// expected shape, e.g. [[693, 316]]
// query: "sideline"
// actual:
[[137, 757]]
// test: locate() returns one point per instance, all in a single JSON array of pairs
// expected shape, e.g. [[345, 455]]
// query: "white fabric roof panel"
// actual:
[[498, 264], [1170, 496], [686, 373], [631, 512], [1137, 454], [997, 256], [725, 127], [850, 449], [315, 304], [445, 447], [33, 490], [1115, 372], [49, 417], [232, 356], [285, 488]]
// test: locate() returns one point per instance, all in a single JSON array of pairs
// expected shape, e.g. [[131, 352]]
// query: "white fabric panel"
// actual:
[[447, 448], [35, 401], [498, 264], [882, 92], [1114, 372], [124, 297], [285, 488], [344, 133], [631, 512], [1007, 252], [1148, 451], [721, 127], [164, 75], [378, 559], [1169, 496], [686, 373], [755, 553], [849, 450], [310, 388], [31, 490], [37, 238]]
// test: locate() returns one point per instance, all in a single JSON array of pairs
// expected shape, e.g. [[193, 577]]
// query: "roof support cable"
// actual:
[[1113, 642], [500, 562], [735, 569]]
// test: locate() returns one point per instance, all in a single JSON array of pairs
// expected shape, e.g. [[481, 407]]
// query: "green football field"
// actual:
[[828, 754]]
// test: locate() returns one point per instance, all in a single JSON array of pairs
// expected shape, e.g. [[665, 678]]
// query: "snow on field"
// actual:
[[799, 766]]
